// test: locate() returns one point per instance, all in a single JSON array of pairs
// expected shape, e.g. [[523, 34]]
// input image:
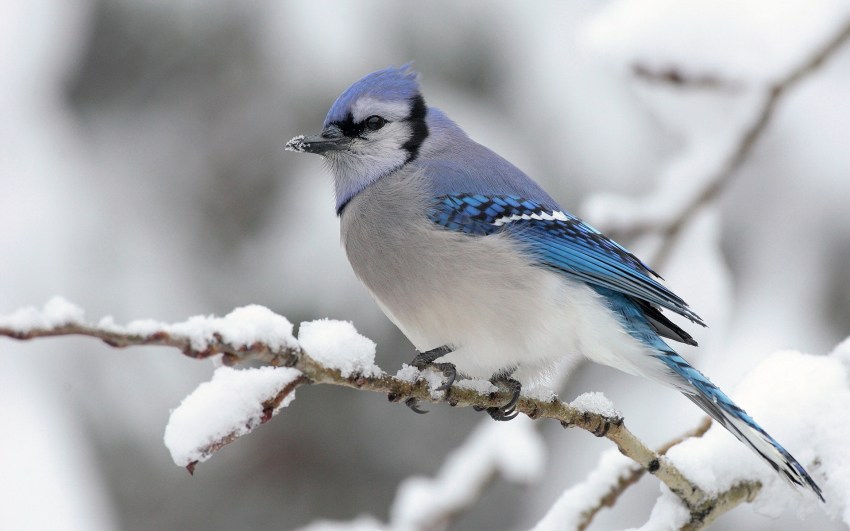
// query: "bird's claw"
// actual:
[[500, 414], [426, 359], [507, 411], [413, 404], [450, 372]]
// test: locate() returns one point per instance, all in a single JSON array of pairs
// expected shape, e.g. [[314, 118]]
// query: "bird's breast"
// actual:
[[480, 295]]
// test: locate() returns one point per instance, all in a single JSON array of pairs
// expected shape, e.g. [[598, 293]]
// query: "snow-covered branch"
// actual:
[[227, 407], [699, 481], [327, 352]]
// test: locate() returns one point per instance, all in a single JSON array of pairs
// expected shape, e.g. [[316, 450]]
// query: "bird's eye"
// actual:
[[375, 122]]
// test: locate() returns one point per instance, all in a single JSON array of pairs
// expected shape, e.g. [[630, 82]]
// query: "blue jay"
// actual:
[[480, 267]]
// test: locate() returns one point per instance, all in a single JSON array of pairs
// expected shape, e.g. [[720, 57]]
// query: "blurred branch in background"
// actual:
[[513, 451], [645, 220]]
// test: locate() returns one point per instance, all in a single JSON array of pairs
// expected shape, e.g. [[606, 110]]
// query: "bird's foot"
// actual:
[[422, 361], [507, 411], [449, 372]]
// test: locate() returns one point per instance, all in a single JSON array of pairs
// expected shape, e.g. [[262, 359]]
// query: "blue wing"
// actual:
[[564, 243]]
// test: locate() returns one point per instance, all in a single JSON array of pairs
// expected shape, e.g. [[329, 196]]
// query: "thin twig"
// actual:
[[679, 78]]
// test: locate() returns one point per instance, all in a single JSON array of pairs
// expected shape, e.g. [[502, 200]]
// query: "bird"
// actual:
[[484, 271]]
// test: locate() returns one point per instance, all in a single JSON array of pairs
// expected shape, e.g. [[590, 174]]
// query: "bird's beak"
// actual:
[[330, 139]]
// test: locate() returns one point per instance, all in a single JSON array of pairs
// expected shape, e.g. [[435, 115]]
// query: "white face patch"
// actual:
[[367, 159], [383, 147], [392, 111]]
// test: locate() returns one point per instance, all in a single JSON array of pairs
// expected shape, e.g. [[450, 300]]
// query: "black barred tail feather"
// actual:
[[720, 407]]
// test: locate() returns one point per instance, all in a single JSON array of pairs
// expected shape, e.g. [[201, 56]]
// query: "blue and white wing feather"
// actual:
[[559, 241]]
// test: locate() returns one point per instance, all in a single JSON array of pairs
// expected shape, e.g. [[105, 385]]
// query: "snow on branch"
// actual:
[[227, 407], [347, 360], [719, 473], [247, 333]]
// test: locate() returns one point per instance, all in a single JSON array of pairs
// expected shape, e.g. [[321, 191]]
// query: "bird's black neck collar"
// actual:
[[418, 127]]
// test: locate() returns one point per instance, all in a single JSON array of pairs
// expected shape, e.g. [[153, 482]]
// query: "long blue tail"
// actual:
[[700, 390], [713, 401]]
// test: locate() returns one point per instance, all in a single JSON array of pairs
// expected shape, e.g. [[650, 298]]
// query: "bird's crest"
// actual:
[[390, 84]]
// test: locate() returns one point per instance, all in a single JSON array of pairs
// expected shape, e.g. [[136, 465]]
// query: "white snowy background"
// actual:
[[143, 176]]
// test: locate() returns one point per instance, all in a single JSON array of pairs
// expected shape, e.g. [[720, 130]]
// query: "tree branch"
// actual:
[[396, 389], [230, 354]]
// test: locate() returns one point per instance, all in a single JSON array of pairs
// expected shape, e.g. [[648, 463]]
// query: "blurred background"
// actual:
[[143, 175]]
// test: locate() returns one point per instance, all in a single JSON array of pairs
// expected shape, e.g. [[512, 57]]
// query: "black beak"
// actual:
[[330, 139]]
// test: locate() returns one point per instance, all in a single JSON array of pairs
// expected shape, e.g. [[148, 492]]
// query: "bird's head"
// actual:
[[375, 127]]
